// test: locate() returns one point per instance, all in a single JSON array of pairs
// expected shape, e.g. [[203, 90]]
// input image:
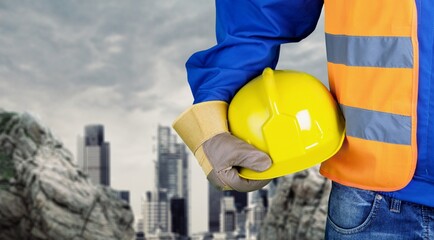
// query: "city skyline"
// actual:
[[165, 209]]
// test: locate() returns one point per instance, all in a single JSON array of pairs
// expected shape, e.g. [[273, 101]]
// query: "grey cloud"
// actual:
[[63, 46]]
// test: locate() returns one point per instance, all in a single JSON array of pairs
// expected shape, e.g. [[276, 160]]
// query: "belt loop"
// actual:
[[395, 205]]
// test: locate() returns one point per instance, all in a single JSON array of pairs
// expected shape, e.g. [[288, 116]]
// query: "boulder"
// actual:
[[299, 207], [44, 195]]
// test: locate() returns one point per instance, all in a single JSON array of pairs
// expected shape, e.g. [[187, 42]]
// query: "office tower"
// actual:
[[165, 211], [272, 189], [155, 212], [172, 173], [256, 211], [172, 164], [97, 154], [214, 196], [93, 154], [227, 214], [178, 214], [240, 199], [241, 223]]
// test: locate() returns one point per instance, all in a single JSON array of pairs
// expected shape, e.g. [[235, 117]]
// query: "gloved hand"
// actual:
[[204, 129]]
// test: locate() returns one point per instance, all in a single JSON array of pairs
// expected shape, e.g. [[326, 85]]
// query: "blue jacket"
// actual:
[[249, 35]]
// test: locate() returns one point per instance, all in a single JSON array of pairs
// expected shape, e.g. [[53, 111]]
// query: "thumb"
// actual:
[[225, 151]]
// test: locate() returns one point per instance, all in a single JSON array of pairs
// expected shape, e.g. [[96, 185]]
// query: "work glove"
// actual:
[[204, 129]]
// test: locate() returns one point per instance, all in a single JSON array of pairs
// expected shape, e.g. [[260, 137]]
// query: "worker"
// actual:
[[380, 59]]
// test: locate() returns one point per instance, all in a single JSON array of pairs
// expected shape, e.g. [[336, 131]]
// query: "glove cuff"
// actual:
[[201, 122]]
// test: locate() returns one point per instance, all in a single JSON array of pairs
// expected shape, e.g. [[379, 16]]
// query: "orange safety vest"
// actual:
[[372, 54]]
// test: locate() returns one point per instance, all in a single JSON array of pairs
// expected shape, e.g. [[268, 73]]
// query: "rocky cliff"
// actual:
[[43, 195], [299, 208]]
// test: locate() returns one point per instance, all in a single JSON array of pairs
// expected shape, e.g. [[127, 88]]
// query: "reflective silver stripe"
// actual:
[[377, 126], [388, 52]]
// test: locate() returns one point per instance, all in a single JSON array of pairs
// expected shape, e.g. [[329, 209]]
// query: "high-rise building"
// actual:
[[214, 200], [93, 154], [165, 210], [172, 164], [240, 199], [172, 175], [178, 214], [227, 214], [240, 230], [155, 212], [256, 211], [214, 196]]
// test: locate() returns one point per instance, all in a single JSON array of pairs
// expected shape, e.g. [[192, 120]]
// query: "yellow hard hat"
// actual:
[[289, 115]]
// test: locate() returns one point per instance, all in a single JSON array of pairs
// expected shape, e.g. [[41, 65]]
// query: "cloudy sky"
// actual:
[[117, 63]]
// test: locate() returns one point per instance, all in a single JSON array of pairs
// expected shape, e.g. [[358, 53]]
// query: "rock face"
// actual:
[[299, 208], [43, 195]]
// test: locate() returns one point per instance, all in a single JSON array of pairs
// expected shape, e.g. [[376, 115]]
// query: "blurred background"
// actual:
[[119, 65]]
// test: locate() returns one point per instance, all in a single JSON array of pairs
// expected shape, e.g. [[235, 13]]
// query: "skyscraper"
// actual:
[[256, 211], [172, 164], [214, 196], [214, 201], [178, 213], [166, 209], [172, 175], [227, 214], [93, 154], [155, 211]]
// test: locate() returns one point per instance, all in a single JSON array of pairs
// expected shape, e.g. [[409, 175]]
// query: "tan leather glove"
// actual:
[[204, 129]]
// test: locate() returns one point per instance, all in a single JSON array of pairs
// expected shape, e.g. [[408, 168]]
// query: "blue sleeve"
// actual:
[[249, 34]]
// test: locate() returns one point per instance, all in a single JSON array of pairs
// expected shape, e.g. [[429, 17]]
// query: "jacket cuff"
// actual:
[[201, 122]]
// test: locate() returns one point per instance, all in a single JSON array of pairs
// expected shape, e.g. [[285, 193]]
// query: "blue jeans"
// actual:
[[360, 214]]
